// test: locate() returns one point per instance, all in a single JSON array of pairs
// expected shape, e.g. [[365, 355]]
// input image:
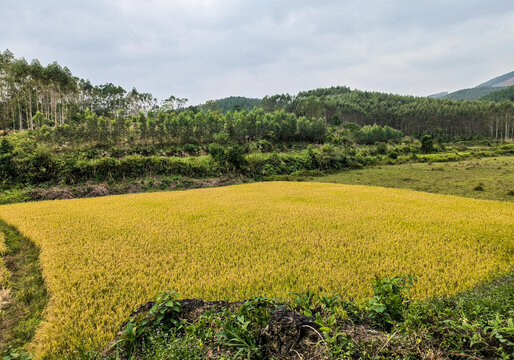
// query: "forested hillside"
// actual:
[[412, 115], [471, 94], [506, 94], [33, 96], [231, 103], [481, 91]]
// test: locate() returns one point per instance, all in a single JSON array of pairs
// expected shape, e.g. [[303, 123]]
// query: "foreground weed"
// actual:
[[473, 324]]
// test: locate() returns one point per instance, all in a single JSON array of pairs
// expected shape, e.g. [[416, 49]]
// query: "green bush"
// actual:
[[264, 146], [393, 155], [390, 298], [427, 144], [381, 148], [191, 149], [373, 134]]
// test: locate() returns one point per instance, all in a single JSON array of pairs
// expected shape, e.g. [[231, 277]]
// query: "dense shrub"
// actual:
[[373, 134], [427, 144], [24, 161]]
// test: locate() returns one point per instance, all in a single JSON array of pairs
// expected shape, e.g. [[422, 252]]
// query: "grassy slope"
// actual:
[[495, 175], [497, 80], [26, 294]]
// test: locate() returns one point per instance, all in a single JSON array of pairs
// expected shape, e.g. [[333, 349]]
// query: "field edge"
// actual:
[[27, 293]]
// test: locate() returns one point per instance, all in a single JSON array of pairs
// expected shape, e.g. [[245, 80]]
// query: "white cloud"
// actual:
[[203, 49]]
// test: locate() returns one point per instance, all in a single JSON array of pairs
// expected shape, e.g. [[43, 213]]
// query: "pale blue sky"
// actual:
[[206, 49]]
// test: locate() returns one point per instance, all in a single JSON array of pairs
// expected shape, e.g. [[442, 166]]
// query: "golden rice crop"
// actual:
[[102, 257]]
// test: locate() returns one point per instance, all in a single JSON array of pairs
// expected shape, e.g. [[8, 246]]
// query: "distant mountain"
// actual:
[[484, 89], [471, 94], [500, 81], [438, 95]]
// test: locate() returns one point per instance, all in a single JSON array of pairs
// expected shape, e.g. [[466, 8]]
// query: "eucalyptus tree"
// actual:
[[173, 103]]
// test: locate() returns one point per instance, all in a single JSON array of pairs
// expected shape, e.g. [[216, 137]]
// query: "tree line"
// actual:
[[185, 127], [33, 96], [231, 103], [414, 116]]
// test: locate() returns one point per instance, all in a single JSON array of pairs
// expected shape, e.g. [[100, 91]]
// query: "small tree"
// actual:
[[234, 156], [230, 157], [427, 144]]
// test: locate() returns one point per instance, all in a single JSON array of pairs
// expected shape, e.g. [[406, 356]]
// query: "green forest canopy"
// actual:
[[412, 115], [506, 94], [231, 103], [33, 96]]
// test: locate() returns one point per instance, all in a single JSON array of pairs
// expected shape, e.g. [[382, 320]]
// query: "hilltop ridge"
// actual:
[[481, 90]]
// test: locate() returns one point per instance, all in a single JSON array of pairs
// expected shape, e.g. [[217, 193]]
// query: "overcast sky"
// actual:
[[208, 49]]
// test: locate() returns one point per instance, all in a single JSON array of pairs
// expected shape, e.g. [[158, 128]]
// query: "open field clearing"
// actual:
[[102, 257], [487, 178]]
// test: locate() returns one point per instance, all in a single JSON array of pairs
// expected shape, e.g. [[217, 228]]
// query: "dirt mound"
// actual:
[[51, 194], [56, 193], [94, 191], [288, 334]]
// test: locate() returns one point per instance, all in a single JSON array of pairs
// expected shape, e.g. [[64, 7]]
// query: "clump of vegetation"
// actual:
[[479, 187], [475, 324], [376, 133], [29, 168], [427, 144]]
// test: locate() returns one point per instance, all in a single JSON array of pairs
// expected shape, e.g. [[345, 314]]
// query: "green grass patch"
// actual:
[[11, 196], [27, 296], [486, 178]]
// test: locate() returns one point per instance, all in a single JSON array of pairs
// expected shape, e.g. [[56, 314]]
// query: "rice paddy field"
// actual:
[[102, 257]]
